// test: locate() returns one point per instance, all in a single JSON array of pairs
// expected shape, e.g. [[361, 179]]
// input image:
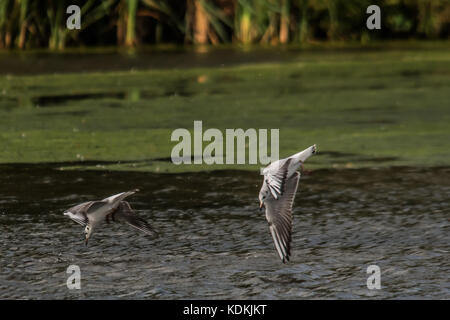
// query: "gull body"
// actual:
[[277, 196], [92, 213]]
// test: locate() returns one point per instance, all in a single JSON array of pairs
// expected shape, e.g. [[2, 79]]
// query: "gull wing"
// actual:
[[126, 214], [279, 216], [78, 213], [276, 179], [120, 196], [95, 205]]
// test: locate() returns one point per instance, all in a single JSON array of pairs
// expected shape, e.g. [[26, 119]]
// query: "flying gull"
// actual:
[[92, 213], [277, 196]]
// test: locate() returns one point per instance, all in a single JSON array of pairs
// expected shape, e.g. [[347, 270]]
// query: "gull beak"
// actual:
[[86, 242], [261, 204]]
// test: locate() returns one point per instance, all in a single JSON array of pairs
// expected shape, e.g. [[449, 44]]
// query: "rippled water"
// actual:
[[214, 243]]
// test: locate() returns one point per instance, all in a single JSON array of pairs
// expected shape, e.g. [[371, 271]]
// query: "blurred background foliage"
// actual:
[[26, 24]]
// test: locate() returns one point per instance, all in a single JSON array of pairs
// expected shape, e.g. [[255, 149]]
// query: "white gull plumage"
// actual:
[[277, 196], [92, 213]]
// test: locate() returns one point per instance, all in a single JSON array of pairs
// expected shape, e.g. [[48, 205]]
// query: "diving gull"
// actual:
[[277, 196], [92, 213]]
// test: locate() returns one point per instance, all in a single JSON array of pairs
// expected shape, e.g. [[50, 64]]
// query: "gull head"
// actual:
[[87, 231]]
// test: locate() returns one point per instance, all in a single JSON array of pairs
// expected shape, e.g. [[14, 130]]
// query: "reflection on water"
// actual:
[[214, 243]]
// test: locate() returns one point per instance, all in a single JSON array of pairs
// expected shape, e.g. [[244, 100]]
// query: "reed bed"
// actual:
[[26, 24]]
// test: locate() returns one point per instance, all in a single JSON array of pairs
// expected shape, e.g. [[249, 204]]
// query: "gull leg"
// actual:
[[306, 172]]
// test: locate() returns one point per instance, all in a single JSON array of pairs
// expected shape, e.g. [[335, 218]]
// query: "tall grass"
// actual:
[[29, 24]]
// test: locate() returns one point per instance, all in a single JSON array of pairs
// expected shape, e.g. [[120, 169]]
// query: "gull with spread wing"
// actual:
[[92, 213], [277, 196]]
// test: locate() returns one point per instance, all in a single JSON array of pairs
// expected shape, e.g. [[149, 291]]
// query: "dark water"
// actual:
[[28, 63], [37, 63], [214, 243]]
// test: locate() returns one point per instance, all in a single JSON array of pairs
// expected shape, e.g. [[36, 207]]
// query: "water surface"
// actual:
[[214, 243]]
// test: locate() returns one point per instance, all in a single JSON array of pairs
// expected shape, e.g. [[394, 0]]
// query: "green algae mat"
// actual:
[[368, 108]]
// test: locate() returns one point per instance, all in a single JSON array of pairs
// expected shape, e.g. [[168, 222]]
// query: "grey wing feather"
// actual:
[[126, 214], [276, 181], [279, 216], [78, 213], [94, 206]]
